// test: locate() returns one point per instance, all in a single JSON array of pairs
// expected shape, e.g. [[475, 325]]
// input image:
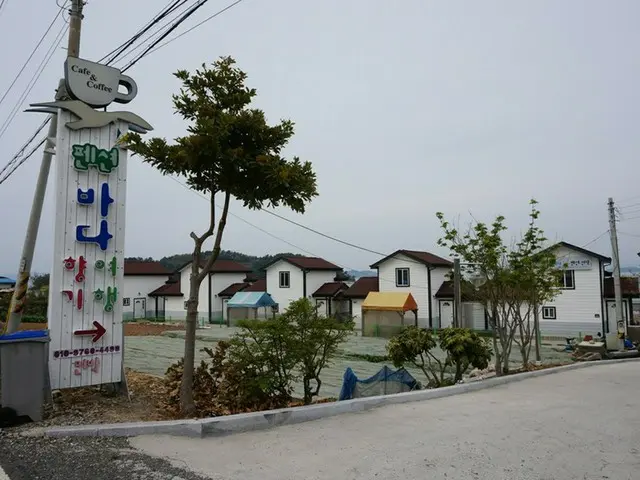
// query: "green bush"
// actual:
[[462, 348]]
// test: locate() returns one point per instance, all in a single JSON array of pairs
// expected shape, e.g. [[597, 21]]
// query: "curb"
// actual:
[[246, 422]]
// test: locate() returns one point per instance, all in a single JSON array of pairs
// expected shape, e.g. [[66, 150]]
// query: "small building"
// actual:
[[472, 312], [140, 279], [329, 301], [250, 305], [250, 284], [418, 273], [356, 294], [7, 284], [384, 313], [291, 278]]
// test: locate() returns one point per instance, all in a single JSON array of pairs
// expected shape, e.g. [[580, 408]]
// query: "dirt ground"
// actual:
[[137, 329], [93, 405]]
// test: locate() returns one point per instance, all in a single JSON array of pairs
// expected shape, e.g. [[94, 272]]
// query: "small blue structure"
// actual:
[[245, 305], [6, 283], [385, 382]]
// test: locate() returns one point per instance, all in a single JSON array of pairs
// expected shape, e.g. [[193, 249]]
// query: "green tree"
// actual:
[[518, 279], [317, 340], [230, 151], [460, 348]]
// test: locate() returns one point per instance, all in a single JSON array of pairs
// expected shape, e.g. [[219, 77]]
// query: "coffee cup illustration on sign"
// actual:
[[97, 85]]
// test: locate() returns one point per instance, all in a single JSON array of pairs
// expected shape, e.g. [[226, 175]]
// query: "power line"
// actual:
[[33, 52], [36, 76], [17, 165], [175, 25], [153, 36], [115, 53], [219, 12], [2, 4], [26, 144]]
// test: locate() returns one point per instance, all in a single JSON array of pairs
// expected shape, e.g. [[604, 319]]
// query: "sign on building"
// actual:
[[571, 262], [85, 290]]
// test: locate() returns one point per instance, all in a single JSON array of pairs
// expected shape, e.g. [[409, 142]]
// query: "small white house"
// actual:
[[291, 278], [140, 279], [211, 304], [418, 273], [580, 305]]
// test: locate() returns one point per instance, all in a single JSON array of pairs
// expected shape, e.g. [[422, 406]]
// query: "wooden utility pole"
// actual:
[[621, 326], [19, 298]]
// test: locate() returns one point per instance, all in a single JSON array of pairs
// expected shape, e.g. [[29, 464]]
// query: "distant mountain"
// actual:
[[361, 273], [630, 271]]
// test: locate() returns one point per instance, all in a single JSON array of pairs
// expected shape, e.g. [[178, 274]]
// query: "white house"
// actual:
[[580, 305], [291, 278], [211, 304], [418, 273], [140, 279]]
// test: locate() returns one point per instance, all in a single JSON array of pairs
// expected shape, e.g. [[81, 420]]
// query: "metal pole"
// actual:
[[457, 300], [621, 326], [18, 300]]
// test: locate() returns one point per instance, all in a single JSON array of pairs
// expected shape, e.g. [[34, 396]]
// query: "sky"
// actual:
[[404, 108]]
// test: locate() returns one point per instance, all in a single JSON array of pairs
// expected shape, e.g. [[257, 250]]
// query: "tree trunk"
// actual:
[[187, 405]]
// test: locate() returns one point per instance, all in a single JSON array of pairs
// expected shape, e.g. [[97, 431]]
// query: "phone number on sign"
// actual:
[[79, 352]]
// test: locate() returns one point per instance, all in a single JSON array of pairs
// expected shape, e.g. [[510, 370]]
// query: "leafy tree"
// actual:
[[40, 282], [317, 340], [518, 279], [460, 349], [231, 151]]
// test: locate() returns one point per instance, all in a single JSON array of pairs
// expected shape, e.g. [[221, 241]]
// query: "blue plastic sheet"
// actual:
[[25, 335], [350, 380]]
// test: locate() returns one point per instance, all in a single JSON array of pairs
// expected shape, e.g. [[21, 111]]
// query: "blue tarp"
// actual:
[[251, 300], [401, 378], [25, 335]]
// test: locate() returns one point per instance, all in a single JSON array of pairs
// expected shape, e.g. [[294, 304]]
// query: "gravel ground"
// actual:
[[35, 458]]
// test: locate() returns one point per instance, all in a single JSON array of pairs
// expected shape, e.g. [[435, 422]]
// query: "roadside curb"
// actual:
[[245, 422]]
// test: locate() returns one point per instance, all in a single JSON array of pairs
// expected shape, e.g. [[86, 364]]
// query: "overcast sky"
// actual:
[[405, 108]]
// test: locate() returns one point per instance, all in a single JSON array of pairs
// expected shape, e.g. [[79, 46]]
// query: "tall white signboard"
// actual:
[[85, 319], [85, 304]]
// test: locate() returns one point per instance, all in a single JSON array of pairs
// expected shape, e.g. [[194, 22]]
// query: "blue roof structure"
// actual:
[[251, 300], [7, 281]]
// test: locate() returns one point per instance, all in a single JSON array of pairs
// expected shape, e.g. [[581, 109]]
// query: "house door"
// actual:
[[139, 307], [446, 313]]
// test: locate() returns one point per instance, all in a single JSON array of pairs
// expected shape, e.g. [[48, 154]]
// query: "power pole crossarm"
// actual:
[[18, 300], [620, 320]]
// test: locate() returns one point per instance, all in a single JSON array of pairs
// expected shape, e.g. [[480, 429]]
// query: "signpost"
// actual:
[[85, 304]]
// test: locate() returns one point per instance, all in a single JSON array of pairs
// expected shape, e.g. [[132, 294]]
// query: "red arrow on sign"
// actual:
[[97, 333]]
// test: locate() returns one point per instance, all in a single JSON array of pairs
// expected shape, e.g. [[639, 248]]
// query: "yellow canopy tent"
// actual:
[[383, 313]]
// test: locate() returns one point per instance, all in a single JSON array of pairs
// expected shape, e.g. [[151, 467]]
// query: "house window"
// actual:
[[284, 279], [549, 313], [567, 280], [402, 277], [126, 302]]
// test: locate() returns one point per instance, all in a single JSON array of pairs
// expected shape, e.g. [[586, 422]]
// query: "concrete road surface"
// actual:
[[583, 424]]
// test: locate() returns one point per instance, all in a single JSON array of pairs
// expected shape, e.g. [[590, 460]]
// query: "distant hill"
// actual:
[[361, 273]]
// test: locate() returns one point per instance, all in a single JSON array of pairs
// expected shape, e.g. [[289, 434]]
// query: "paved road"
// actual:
[[582, 424]]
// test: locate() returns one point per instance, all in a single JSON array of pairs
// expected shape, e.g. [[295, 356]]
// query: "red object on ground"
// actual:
[[97, 333]]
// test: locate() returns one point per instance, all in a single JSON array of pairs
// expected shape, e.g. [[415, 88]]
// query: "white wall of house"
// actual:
[[135, 293], [356, 311], [174, 308], [418, 284], [578, 309], [317, 278], [281, 295]]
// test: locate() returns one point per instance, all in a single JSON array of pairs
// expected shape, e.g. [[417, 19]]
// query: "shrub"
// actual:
[[461, 347]]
